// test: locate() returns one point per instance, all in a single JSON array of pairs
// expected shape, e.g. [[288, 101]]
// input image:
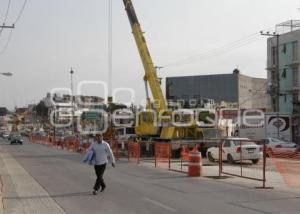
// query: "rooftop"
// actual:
[[287, 26]]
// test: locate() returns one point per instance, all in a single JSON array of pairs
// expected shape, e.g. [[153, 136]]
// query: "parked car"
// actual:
[[232, 149], [5, 136], [277, 143], [16, 139], [274, 145]]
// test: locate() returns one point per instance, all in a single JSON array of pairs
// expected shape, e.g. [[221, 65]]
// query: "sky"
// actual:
[[185, 37]]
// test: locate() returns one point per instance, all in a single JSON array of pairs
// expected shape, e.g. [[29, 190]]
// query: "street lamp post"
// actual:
[[72, 101]]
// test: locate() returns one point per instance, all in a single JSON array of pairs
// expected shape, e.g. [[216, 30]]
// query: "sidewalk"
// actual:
[[274, 179], [21, 193]]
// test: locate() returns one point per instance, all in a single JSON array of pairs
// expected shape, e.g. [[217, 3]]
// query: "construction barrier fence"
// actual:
[[134, 151], [71, 144], [244, 159], [176, 156]]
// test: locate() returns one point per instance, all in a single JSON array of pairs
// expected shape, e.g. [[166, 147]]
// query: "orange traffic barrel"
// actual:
[[195, 164]]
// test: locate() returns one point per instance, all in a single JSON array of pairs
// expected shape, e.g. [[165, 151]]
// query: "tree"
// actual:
[[41, 109]]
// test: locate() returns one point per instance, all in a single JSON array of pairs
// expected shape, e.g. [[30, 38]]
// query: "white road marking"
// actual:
[[160, 204]]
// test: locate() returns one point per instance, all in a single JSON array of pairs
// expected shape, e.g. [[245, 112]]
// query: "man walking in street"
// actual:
[[101, 153]]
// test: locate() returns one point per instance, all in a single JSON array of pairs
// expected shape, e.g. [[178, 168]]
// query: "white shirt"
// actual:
[[101, 152]]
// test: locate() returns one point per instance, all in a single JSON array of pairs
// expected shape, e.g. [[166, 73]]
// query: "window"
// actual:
[[295, 77], [274, 140], [227, 143], [295, 51], [274, 103], [285, 98], [239, 143], [283, 75], [284, 48]]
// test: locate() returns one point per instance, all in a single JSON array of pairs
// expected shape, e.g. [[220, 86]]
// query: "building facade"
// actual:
[[286, 72], [283, 72], [236, 89]]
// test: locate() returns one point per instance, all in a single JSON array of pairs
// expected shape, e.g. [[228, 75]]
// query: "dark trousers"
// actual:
[[99, 170]]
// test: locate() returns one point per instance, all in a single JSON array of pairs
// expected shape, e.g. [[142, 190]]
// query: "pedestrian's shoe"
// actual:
[[95, 192], [103, 188]]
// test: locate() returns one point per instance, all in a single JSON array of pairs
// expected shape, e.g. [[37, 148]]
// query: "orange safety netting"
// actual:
[[287, 163], [162, 154], [133, 151]]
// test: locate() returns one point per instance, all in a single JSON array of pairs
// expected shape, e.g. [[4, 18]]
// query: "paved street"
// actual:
[[67, 185]]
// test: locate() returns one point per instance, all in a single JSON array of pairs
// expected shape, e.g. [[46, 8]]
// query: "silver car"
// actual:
[[272, 143]]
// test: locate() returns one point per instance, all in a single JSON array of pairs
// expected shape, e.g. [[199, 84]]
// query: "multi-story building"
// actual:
[[235, 89], [283, 72]]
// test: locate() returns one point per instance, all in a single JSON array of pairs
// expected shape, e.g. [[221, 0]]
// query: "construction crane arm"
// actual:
[[150, 71]]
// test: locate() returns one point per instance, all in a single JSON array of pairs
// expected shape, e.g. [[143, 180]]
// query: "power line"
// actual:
[[6, 15], [7, 42], [218, 51], [21, 12], [229, 49], [17, 19], [187, 59], [7, 11]]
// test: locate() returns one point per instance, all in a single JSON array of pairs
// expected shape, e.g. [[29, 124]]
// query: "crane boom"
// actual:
[[147, 126], [150, 71]]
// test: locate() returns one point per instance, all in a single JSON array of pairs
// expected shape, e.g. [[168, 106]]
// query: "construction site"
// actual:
[[170, 134]]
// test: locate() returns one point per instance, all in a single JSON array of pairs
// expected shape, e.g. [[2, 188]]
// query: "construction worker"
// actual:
[[101, 153]]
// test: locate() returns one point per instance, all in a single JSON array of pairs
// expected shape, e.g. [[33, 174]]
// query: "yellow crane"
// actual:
[[156, 120]]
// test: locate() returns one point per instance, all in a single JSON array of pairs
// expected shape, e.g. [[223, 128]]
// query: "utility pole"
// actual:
[[277, 69], [110, 51]]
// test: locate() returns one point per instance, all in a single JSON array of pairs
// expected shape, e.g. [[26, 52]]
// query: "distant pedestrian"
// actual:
[[101, 151]]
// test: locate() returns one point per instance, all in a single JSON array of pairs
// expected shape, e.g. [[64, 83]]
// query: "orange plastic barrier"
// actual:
[[134, 151], [162, 151], [74, 145], [185, 153], [195, 164], [114, 145], [162, 155]]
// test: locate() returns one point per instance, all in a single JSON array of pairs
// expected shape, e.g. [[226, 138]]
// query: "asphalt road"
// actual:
[[138, 189]]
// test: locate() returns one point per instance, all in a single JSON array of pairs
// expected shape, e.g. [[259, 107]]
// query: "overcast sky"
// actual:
[[54, 35]]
